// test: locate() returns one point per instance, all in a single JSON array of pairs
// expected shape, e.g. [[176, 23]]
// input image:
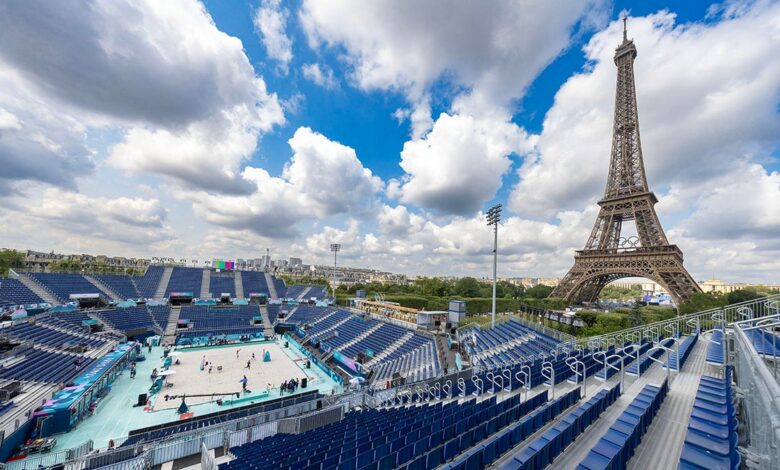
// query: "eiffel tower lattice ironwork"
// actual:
[[608, 256]]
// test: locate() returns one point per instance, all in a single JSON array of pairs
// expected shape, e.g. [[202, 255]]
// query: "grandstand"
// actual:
[[157, 282], [662, 395]]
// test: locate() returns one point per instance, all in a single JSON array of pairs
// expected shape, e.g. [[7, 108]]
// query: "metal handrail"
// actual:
[[507, 374], [548, 372], [479, 384], [668, 358]]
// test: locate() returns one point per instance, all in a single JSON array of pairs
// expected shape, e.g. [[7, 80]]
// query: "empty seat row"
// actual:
[[542, 451], [416, 437], [677, 358], [16, 292], [489, 451], [715, 353], [617, 446], [711, 441]]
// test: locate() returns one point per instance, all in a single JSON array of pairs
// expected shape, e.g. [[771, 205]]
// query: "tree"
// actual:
[[700, 301], [635, 317], [65, 265], [742, 295], [467, 287], [10, 259], [539, 291]]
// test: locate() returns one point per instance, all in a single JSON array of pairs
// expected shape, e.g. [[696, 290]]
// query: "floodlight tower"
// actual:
[[493, 218], [335, 248]]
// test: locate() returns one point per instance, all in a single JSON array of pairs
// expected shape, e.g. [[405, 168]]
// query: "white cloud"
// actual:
[[87, 223], [707, 97], [322, 75], [323, 178], [271, 22], [158, 74], [459, 165], [205, 154], [494, 52]]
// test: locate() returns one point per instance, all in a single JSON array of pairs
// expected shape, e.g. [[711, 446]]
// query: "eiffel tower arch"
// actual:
[[608, 256]]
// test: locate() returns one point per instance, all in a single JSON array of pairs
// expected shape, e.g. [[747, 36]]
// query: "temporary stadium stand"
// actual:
[[185, 280], [74, 319], [254, 283], [122, 285], [295, 292], [507, 343], [129, 319], [17, 293], [210, 321], [617, 446], [222, 283], [64, 285], [711, 441], [543, 450], [147, 284], [50, 336], [422, 437], [281, 288], [45, 366], [162, 431], [160, 314]]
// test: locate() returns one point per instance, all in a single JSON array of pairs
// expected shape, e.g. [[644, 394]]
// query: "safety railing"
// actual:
[[759, 390]]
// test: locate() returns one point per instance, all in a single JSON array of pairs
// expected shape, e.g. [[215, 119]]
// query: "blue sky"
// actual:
[[197, 130]]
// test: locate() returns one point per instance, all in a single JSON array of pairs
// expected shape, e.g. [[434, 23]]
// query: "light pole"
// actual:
[[335, 248], [493, 218]]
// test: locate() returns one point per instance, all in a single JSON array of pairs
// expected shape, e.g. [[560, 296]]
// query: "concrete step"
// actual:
[[268, 328], [239, 284], [205, 284], [163, 285], [106, 290], [39, 290], [271, 287]]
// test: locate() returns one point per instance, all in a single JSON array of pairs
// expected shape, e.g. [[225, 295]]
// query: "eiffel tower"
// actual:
[[608, 256]]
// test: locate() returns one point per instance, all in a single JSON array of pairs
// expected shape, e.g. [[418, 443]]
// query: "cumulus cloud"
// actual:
[[160, 74], [459, 164], [322, 75], [495, 51], [79, 221], [271, 22], [323, 178], [707, 97]]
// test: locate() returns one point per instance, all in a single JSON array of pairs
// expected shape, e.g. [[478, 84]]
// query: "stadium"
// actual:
[[173, 367], [131, 372]]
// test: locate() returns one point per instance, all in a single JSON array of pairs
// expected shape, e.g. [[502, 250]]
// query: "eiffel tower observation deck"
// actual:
[[607, 255]]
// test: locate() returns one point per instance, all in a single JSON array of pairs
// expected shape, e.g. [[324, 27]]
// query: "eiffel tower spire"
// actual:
[[608, 256]]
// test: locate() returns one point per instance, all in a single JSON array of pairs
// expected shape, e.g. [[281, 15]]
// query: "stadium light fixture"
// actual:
[[335, 248], [493, 218]]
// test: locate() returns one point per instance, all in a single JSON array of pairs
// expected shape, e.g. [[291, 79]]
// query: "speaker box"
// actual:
[[286, 344], [304, 382], [319, 404], [141, 399]]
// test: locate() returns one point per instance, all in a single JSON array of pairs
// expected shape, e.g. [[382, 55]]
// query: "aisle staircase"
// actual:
[[205, 283], [170, 328], [239, 284], [104, 288], [39, 290], [304, 293], [271, 287], [162, 287], [268, 328]]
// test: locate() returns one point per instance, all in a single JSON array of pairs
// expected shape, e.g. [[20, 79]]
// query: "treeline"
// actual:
[[10, 259]]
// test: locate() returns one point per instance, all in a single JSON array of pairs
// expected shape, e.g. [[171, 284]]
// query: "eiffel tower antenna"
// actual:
[[625, 32], [608, 256]]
